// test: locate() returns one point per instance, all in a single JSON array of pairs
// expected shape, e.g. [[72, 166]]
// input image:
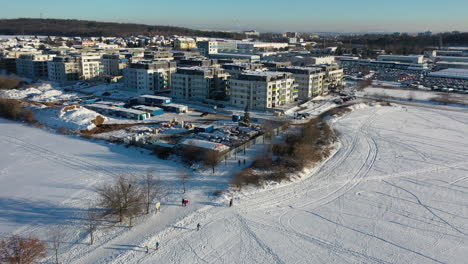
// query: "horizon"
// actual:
[[263, 16]]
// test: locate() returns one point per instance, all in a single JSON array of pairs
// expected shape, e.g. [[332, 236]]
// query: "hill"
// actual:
[[72, 27]]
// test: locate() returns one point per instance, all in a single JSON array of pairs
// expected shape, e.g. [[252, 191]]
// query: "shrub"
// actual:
[[10, 108], [28, 116], [16, 249], [7, 82]]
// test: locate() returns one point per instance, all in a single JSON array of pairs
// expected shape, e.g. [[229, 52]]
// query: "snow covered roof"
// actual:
[[204, 144]]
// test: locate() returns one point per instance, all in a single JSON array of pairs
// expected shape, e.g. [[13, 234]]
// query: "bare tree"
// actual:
[[24, 250], [152, 189], [92, 223], [212, 159], [123, 198], [57, 237], [184, 177]]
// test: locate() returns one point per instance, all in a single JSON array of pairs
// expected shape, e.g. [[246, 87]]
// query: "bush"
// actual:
[[16, 249], [10, 108], [28, 116], [7, 82]]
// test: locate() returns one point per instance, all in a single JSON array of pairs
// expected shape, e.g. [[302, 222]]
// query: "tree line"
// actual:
[[85, 28]]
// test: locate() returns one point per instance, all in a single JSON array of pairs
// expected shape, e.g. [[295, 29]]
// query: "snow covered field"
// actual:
[[395, 192]]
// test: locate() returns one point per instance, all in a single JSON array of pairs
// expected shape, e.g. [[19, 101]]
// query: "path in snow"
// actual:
[[395, 192]]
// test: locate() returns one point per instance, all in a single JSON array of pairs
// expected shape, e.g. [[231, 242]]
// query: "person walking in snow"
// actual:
[[198, 227], [239, 162], [147, 250], [158, 207], [230, 202], [157, 245], [183, 202]]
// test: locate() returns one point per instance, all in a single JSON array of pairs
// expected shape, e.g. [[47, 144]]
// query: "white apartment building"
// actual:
[[113, 64], [149, 76], [33, 66], [310, 80], [334, 75], [200, 83], [263, 90], [91, 66]]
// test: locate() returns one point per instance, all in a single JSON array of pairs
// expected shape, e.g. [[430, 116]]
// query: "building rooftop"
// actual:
[[451, 73]]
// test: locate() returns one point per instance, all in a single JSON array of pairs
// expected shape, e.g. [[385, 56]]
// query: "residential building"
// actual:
[[207, 47], [91, 66], [234, 69], [33, 66], [64, 68], [334, 75], [263, 90], [113, 64], [310, 80], [200, 83], [149, 76], [197, 61], [185, 44]]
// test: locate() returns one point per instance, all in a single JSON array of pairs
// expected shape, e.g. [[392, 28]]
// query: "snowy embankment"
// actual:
[[417, 96], [75, 118], [43, 92]]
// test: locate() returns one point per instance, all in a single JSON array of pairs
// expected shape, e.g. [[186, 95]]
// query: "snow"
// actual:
[[77, 118], [394, 192], [407, 94], [43, 92]]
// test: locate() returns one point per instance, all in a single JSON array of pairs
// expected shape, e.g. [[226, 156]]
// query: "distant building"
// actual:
[[415, 59], [185, 44], [197, 61], [33, 66], [200, 83], [207, 47], [251, 33], [263, 90], [149, 76]]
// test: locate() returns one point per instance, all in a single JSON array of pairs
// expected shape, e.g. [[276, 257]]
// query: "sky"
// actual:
[[261, 15]]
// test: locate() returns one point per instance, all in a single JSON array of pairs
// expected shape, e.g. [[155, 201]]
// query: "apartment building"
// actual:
[[64, 68], [234, 69], [113, 64], [207, 47], [334, 75], [200, 83], [263, 90], [33, 66], [185, 44], [310, 80], [91, 66], [149, 76], [197, 61]]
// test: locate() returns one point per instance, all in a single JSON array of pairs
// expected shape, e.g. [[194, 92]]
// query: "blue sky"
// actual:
[[263, 15]]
